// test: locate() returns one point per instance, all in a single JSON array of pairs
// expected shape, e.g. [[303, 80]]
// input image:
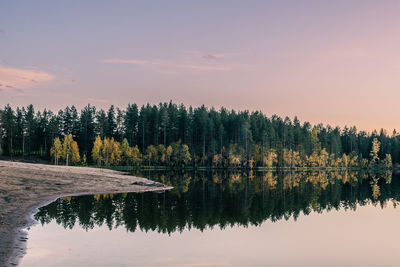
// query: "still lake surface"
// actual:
[[227, 219]]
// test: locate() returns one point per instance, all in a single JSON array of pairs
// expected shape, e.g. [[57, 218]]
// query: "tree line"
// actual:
[[168, 134]]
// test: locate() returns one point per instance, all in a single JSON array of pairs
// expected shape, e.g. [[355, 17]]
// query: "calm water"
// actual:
[[227, 219]]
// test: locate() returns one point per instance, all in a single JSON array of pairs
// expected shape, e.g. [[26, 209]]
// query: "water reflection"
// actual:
[[205, 200]]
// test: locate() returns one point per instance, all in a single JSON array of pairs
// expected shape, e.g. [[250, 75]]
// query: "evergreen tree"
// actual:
[[131, 123], [111, 126], [87, 129], [8, 125]]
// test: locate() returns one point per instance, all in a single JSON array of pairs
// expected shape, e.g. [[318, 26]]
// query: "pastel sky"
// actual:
[[335, 62]]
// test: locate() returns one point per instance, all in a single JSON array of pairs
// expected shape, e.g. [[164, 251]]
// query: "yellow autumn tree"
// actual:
[[234, 156], [271, 180], [217, 160], [56, 150], [76, 157], [323, 158], [136, 156], [126, 152], [374, 151], [70, 150], [353, 160], [291, 158], [332, 160], [97, 150], [106, 151], [151, 154], [169, 154], [345, 161], [271, 158], [387, 162], [313, 159], [115, 157], [184, 154], [162, 153], [234, 160], [111, 152]]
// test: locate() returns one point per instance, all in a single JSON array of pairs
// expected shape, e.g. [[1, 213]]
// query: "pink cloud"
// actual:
[[205, 67], [212, 56], [1, 31], [169, 67], [133, 61], [22, 78], [96, 100]]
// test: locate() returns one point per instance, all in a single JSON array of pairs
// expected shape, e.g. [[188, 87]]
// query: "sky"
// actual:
[[331, 62]]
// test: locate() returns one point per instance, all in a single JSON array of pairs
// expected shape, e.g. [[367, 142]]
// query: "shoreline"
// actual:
[[25, 187]]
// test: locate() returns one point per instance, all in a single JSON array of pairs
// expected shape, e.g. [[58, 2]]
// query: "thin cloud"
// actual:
[[194, 54], [96, 100], [212, 56], [1, 31], [133, 61], [22, 78], [168, 66]]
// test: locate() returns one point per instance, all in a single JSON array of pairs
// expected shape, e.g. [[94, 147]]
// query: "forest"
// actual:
[[172, 135]]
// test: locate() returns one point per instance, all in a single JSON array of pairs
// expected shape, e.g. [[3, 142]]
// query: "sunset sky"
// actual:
[[335, 62]]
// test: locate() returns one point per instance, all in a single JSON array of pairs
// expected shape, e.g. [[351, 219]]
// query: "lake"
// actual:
[[227, 219]]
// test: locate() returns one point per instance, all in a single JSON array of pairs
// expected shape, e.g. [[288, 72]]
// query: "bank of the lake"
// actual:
[[24, 187]]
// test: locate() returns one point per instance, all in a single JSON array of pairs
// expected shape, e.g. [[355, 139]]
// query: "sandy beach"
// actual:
[[24, 187]]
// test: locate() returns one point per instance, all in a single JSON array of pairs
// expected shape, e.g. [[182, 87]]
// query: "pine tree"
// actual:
[[87, 129], [8, 124], [131, 123], [111, 125]]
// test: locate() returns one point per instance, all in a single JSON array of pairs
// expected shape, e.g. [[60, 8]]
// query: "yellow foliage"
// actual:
[[270, 179], [56, 150], [271, 158], [217, 159], [97, 150], [70, 150]]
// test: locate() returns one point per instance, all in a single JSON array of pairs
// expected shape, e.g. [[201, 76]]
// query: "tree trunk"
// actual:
[[23, 145]]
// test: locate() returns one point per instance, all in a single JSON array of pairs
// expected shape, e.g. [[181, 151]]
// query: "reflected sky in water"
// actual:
[[227, 219]]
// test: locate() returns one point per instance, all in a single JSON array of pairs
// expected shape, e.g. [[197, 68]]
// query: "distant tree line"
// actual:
[[175, 135]]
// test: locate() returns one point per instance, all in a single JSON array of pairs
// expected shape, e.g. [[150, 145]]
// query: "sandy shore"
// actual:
[[24, 187]]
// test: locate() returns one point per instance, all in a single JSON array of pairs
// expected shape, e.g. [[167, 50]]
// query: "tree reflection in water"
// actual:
[[211, 199]]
